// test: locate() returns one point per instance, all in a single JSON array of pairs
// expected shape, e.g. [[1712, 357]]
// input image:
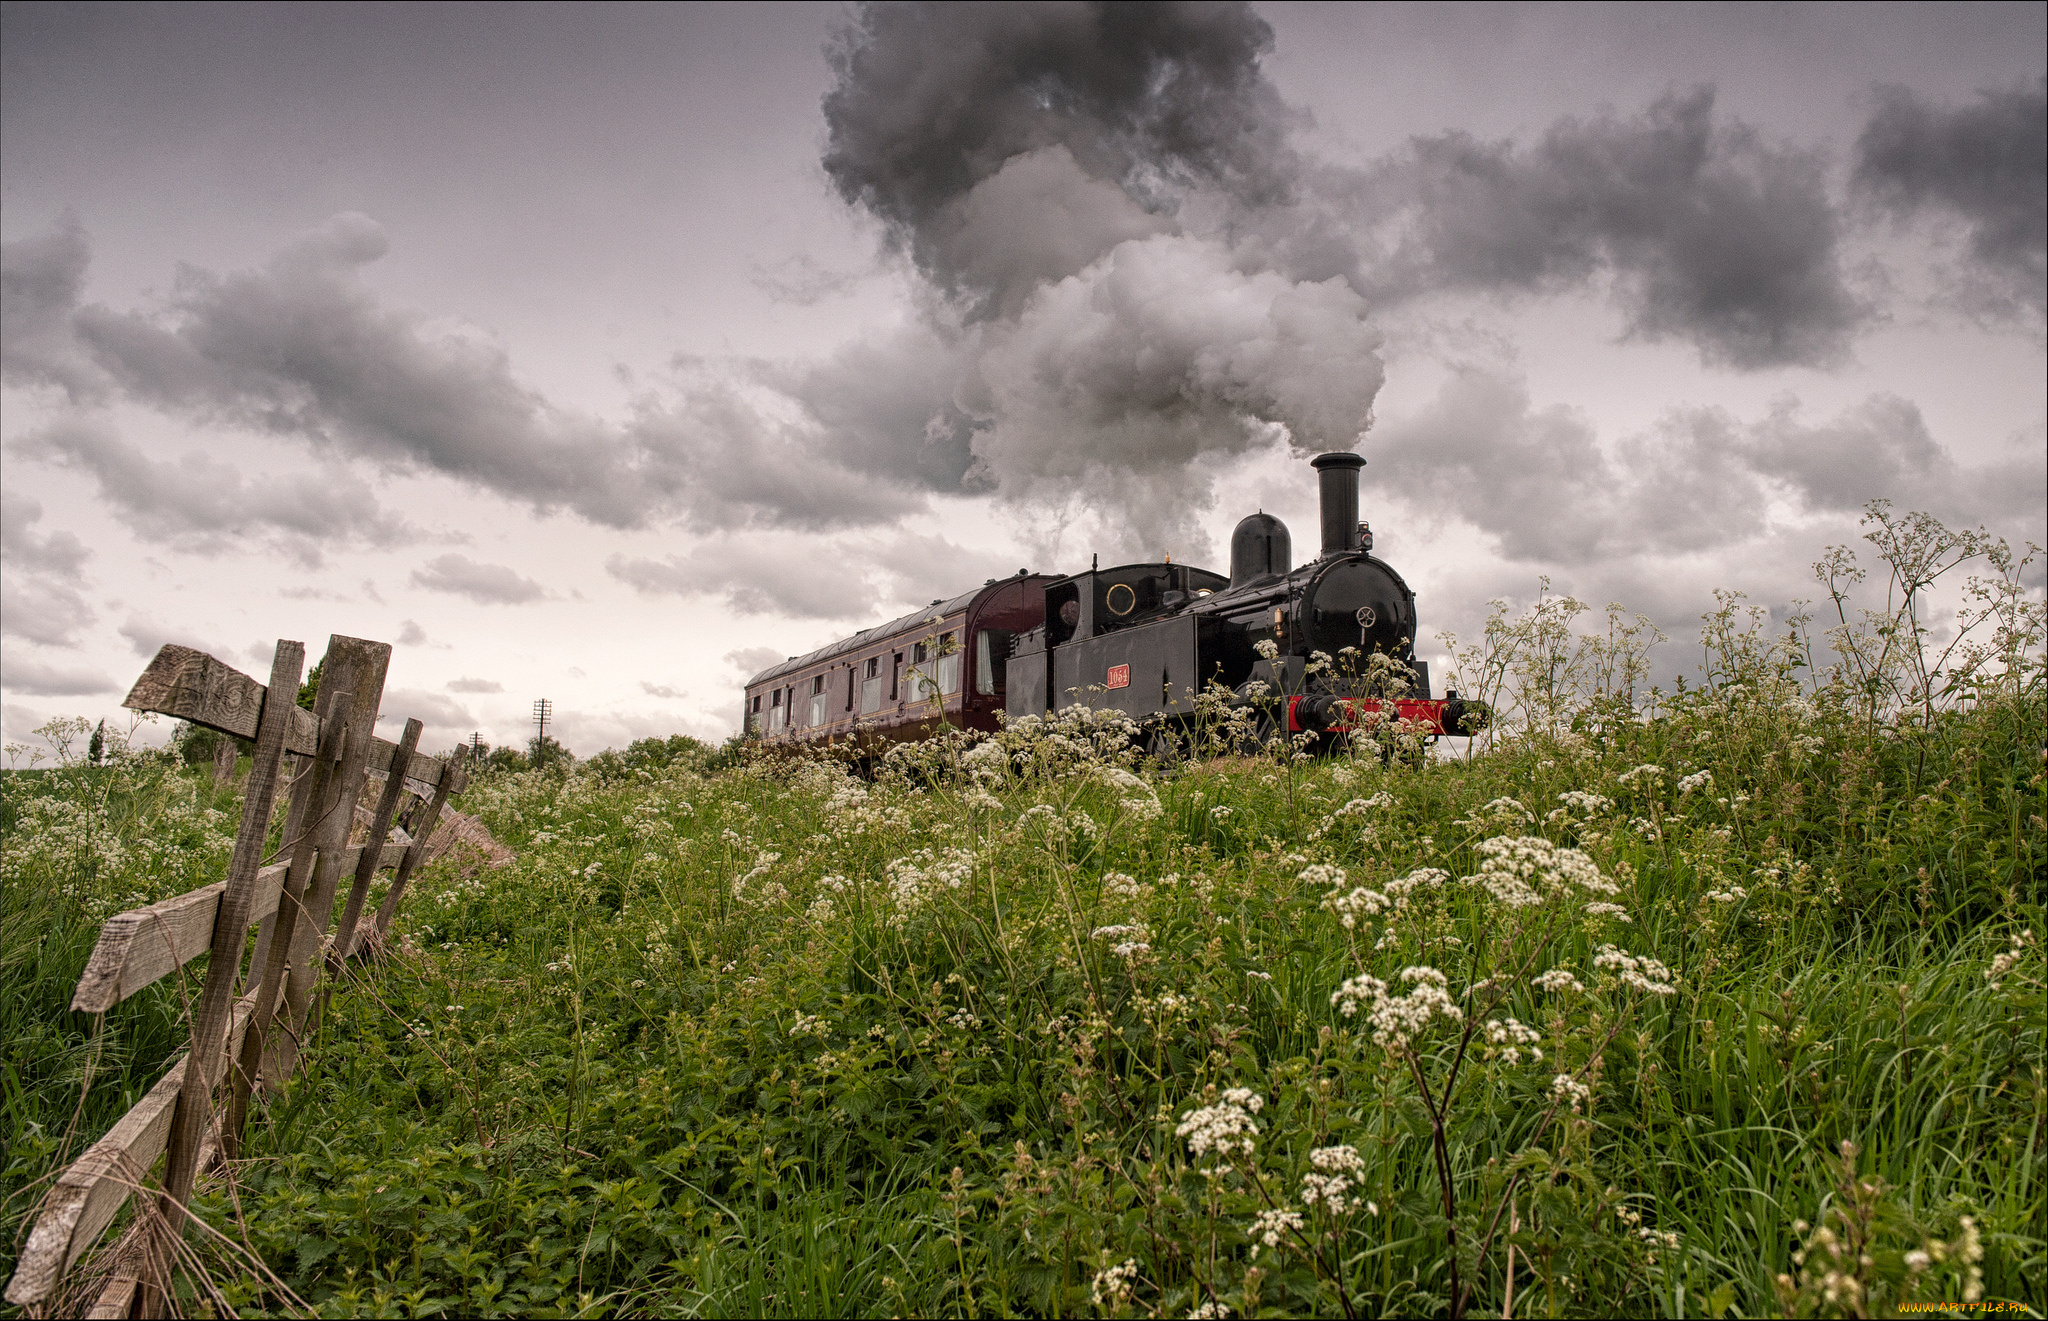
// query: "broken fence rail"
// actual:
[[178, 1117]]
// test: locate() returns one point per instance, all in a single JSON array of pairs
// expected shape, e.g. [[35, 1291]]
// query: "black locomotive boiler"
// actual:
[[1295, 643]]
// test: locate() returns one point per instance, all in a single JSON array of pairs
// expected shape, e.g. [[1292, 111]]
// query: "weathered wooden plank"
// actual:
[[86, 1197], [192, 685], [139, 946], [422, 773]]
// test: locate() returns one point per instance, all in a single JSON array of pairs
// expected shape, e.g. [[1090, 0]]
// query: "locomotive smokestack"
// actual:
[[1340, 500]]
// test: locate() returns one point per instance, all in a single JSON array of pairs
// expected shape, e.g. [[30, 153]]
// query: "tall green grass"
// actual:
[[772, 1040]]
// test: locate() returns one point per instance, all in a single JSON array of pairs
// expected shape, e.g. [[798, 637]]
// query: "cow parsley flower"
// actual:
[[1571, 1090], [1224, 1127], [1643, 973], [1270, 1226], [1361, 902], [1522, 871]]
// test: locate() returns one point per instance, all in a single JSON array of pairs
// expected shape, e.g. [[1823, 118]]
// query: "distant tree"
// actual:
[[96, 749], [311, 685], [543, 752]]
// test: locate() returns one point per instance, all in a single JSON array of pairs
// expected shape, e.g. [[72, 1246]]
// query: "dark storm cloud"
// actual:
[[435, 710], [1539, 481], [39, 596], [1098, 114], [766, 579], [39, 610], [41, 279], [849, 578], [1985, 163], [22, 675], [59, 552], [302, 348], [1878, 448], [200, 502], [1714, 236], [1067, 180], [752, 660], [146, 634], [485, 584]]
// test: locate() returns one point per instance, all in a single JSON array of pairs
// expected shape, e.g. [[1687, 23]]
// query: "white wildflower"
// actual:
[[1645, 974], [2006, 960], [1697, 780], [1112, 1286], [1361, 902], [1570, 1089], [1507, 1038], [1225, 1127], [1558, 979], [1272, 1225], [1525, 870]]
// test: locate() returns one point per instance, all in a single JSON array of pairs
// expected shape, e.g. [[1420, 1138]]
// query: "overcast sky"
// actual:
[[604, 353]]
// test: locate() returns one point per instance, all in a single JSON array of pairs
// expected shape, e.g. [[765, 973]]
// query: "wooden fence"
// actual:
[[248, 1022]]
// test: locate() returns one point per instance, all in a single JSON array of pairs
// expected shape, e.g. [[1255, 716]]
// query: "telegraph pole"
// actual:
[[543, 711]]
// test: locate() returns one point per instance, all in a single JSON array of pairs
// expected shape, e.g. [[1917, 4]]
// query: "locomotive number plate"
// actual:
[[1119, 676]]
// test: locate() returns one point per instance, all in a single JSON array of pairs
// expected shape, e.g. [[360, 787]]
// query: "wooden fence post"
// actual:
[[326, 699], [137, 948], [230, 932], [380, 826], [369, 661], [451, 780], [275, 943]]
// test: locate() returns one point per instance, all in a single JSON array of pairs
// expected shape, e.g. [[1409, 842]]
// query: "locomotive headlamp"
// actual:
[[1121, 600]]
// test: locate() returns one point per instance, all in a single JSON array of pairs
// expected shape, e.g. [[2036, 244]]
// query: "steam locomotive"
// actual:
[[1295, 644]]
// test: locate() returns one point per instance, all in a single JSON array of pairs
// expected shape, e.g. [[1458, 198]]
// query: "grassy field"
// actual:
[[1722, 1000]]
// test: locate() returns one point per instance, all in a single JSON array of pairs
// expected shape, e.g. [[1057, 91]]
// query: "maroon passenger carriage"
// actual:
[[940, 666]]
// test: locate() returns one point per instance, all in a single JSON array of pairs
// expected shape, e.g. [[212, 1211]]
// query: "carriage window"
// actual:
[[991, 659], [757, 701], [775, 698], [874, 666], [818, 685], [918, 654], [947, 668], [851, 684]]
